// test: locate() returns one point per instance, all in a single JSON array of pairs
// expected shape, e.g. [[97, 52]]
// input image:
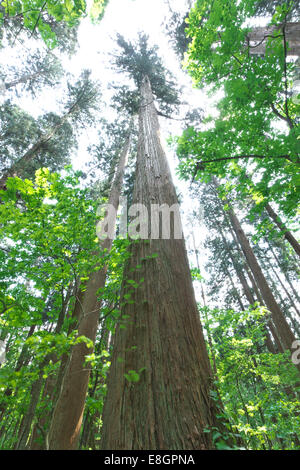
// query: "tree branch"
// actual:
[[260, 43], [289, 120], [281, 116], [38, 19]]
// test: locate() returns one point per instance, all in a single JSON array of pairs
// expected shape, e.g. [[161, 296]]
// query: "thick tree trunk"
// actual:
[[160, 335], [258, 37], [68, 413]]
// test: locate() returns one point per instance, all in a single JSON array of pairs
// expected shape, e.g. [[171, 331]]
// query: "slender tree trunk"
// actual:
[[29, 417], [285, 290], [286, 335], [288, 280], [198, 266], [240, 274], [282, 328], [290, 283], [269, 344], [23, 79], [283, 303], [23, 359], [246, 287], [209, 336], [246, 266], [89, 427], [278, 222], [170, 405], [235, 289], [270, 325], [17, 167], [38, 384], [286, 233], [68, 413], [39, 429]]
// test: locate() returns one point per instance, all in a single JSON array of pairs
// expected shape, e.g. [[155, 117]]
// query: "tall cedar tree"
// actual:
[[160, 378]]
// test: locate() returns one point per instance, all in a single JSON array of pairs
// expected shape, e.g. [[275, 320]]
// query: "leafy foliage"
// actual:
[[43, 16], [256, 386], [48, 248], [254, 140]]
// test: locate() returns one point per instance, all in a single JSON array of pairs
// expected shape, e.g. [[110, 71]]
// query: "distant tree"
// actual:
[[38, 70], [55, 138], [175, 25], [18, 131], [285, 333]]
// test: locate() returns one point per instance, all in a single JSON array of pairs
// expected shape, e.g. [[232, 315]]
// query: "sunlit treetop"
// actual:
[[138, 60]]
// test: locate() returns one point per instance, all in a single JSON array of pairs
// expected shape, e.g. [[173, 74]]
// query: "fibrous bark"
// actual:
[[160, 336]]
